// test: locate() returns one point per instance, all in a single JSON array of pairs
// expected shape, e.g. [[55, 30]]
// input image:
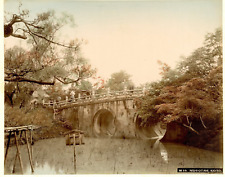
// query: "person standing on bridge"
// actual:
[[72, 95]]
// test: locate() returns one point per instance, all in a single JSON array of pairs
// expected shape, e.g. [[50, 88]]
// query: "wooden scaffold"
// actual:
[[17, 133], [74, 137]]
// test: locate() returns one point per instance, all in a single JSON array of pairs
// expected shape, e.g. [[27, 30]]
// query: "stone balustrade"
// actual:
[[98, 97]]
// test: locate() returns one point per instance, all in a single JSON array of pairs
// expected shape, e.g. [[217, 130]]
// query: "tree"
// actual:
[[203, 59], [85, 85], [48, 63], [44, 61], [214, 47], [146, 105], [193, 102], [190, 94], [119, 81], [36, 28], [198, 64], [10, 91]]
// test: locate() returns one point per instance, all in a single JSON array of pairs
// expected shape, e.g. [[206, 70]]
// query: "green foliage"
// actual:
[[19, 117], [41, 117], [198, 64], [43, 62], [214, 47], [119, 81], [192, 100], [75, 66], [19, 94], [85, 85], [190, 93], [146, 104], [55, 91], [203, 59]]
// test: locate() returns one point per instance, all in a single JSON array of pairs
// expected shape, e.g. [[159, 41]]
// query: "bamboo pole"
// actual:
[[29, 153], [14, 164], [74, 147], [18, 152], [7, 148], [31, 141], [79, 138]]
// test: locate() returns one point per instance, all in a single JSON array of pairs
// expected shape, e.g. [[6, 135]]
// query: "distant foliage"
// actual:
[[119, 81]]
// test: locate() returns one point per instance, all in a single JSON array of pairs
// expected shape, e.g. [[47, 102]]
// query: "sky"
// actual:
[[132, 35]]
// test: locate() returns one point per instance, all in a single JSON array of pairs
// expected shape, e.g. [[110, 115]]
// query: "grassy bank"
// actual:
[[39, 116]]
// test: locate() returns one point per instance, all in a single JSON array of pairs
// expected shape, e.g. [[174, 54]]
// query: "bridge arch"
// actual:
[[104, 123], [153, 131]]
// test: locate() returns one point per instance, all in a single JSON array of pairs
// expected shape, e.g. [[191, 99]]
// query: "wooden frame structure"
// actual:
[[17, 133], [74, 137]]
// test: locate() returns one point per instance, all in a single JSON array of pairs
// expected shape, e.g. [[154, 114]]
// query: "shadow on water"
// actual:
[[112, 156]]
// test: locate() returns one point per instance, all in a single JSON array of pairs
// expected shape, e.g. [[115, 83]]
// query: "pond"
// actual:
[[112, 156]]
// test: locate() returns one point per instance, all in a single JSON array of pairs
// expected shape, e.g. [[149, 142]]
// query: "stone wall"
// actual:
[[108, 119]]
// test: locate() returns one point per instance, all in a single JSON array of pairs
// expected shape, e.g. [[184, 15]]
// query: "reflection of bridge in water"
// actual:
[[109, 114]]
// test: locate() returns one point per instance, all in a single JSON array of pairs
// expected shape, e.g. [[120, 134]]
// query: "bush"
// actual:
[[39, 116]]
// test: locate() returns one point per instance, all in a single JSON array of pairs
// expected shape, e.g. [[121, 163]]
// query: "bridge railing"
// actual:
[[102, 96]]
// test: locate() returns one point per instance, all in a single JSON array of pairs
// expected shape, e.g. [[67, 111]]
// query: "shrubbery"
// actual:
[[191, 94], [39, 116]]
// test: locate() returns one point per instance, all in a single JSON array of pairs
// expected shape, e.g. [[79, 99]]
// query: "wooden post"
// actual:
[[18, 152], [74, 147], [14, 164], [31, 141], [21, 133], [7, 148], [29, 153], [79, 135]]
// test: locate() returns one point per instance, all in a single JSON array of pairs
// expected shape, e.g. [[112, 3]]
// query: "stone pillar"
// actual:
[[144, 90], [54, 104], [93, 93], [79, 96], [125, 90], [72, 94], [108, 92]]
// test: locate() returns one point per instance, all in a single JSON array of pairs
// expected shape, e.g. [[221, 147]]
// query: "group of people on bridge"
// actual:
[[85, 94]]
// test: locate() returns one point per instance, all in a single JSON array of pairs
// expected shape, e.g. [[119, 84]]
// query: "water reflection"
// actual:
[[154, 133], [44, 168], [162, 150], [112, 156]]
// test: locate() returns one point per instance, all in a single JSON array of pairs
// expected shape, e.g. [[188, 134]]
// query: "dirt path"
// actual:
[[113, 156]]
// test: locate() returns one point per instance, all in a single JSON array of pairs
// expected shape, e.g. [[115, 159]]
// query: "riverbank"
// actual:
[[50, 128], [40, 117]]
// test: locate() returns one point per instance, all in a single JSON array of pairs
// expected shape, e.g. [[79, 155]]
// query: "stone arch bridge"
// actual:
[[113, 114]]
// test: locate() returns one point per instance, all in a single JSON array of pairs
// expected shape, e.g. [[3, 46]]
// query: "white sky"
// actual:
[[133, 35]]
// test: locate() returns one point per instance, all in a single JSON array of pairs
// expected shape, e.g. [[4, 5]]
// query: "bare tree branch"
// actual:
[[8, 30], [202, 122], [53, 42], [188, 120], [67, 82], [17, 73], [29, 80], [189, 127], [18, 36]]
